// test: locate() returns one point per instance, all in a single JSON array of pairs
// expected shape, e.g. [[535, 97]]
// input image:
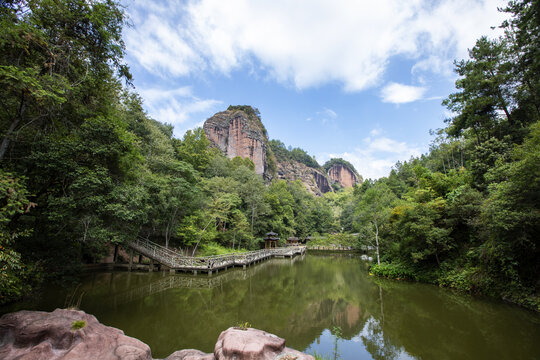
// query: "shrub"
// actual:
[[393, 271]]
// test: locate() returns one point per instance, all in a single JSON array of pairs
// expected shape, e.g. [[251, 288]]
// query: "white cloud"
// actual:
[[400, 94], [178, 107], [377, 155], [324, 116], [306, 42]]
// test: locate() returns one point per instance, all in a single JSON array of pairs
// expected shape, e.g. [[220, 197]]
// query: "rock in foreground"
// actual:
[[71, 334], [42, 335], [252, 344]]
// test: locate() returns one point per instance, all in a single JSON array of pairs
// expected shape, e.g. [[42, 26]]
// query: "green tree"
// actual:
[[512, 215], [14, 273], [280, 217], [374, 208], [194, 149]]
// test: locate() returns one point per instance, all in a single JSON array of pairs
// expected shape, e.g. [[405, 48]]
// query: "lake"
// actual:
[[328, 304]]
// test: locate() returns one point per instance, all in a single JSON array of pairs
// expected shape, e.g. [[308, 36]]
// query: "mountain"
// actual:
[[239, 131]]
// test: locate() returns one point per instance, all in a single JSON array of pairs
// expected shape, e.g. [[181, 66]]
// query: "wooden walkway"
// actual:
[[178, 262]]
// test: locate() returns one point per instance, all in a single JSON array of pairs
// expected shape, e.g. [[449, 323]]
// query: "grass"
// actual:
[[216, 249], [78, 324], [243, 325]]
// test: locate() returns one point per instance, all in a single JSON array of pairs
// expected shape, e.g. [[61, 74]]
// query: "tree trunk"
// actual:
[[12, 127], [169, 229], [252, 217], [377, 242], [197, 244]]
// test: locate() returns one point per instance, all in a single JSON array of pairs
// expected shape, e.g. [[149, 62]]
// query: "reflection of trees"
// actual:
[[379, 346], [430, 323]]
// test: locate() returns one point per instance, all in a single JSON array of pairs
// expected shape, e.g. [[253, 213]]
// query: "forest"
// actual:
[[83, 167]]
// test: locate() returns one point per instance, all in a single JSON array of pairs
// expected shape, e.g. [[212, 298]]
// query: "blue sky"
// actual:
[[362, 80]]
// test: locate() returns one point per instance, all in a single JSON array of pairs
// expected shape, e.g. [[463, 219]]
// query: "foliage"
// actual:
[[15, 274], [334, 240], [393, 271], [283, 154], [212, 248]]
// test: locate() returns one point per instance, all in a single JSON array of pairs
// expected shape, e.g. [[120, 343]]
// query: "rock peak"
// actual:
[[342, 172], [238, 131]]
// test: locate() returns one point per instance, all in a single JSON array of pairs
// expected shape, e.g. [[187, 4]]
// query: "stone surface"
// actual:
[[343, 175], [316, 181], [190, 354], [253, 344], [41, 335], [236, 133]]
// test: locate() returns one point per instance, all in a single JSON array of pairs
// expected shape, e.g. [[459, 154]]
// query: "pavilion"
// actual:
[[271, 240]]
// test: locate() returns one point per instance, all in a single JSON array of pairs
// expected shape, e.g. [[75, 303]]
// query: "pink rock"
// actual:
[[343, 175], [190, 354], [41, 335], [253, 344]]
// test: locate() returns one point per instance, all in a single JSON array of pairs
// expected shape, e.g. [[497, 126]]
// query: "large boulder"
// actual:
[[254, 344], [65, 334]]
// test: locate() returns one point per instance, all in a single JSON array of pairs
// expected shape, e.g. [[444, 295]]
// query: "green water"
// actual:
[[303, 300]]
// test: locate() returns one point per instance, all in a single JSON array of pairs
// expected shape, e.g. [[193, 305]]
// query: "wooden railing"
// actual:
[[175, 260]]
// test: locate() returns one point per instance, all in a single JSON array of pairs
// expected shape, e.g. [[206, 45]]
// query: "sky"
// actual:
[[361, 80]]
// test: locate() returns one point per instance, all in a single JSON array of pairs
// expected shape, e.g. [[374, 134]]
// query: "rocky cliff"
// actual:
[[238, 131], [342, 175], [315, 180]]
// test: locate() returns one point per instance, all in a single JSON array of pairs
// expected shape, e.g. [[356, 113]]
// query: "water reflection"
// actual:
[[305, 301]]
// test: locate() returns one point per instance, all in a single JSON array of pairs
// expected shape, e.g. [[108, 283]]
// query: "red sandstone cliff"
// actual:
[[343, 175], [237, 133]]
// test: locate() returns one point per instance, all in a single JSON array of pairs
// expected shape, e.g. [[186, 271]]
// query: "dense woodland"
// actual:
[[84, 168]]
